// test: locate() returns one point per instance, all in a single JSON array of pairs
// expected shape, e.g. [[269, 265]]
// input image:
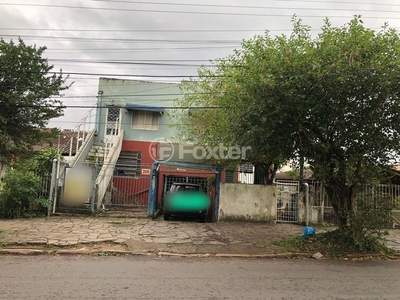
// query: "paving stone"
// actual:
[[198, 242], [164, 240], [106, 236], [146, 232], [214, 243], [93, 235], [119, 241], [37, 242], [179, 241], [173, 235], [123, 236]]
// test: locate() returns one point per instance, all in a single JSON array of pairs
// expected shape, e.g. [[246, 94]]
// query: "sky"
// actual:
[[160, 40]]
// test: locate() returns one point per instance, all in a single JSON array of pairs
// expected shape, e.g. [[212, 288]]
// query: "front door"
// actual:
[[113, 123]]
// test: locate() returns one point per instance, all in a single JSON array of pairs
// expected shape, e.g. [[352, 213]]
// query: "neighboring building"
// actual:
[[67, 143]]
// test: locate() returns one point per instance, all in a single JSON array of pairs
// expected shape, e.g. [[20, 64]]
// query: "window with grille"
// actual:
[[112, 121], [246, 168], [229, 176], [146, 120]]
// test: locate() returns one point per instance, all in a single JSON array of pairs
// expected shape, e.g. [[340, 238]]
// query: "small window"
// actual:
[[246, 168], [230, 176], [146, 120]]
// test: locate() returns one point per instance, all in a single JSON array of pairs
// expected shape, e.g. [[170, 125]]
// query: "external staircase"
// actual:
[[95, 155], [101, 155]]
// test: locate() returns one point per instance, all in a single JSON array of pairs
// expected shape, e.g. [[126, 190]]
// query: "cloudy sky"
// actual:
[[160, 40]]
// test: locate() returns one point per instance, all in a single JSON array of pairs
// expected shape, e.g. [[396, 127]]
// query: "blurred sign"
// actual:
[[78, 186], [145, 171]]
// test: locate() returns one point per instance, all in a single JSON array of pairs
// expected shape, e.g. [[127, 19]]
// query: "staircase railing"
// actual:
[[81, 139], [107, 170]]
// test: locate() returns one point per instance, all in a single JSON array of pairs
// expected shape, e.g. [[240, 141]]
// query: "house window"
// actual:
[[246, 168], [112, 124], [229, 176], [146, 120]]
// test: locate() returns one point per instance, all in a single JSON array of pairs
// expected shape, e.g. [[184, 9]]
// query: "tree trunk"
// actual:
[[265, 173], [344, 202]]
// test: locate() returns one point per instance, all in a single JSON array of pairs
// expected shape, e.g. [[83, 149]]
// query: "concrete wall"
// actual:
[[302, 209], [247, 202]]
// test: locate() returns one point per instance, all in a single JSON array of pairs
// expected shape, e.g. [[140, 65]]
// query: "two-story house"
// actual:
[[133, 130]]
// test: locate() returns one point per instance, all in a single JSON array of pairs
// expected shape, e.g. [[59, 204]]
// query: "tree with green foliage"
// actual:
[[44, 161], [27, 90], [333, 99]]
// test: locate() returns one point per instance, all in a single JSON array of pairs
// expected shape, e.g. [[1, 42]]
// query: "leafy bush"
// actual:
[[19, 192], [22, 191], [369, 223]]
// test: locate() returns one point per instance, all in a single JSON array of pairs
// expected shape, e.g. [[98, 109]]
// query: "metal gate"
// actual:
[[128, 189], [287, 201], [321, 207], [170, 179]]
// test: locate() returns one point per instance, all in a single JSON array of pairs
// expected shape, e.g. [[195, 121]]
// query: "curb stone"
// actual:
[[228, 255], [16, 251], [110, 252], [82, 251]]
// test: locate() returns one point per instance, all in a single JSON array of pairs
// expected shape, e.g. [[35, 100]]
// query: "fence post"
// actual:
[[152, 192], [307, 198], [217, 192], [56, 184], [94, 188], [53, 186]]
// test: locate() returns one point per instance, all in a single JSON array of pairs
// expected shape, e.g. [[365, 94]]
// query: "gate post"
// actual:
[[152, 191], [53, 186], [307, 199], [95, 188], [217, 190]]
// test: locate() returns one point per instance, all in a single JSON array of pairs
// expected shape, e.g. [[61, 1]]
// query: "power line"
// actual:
[[141, 49], [122, 123], [159, 30], [339, 2], [242, 6], [205, 13], [114, 106], [136, 62], [123, 40], [137, 75], [136, 95], [141, 30]]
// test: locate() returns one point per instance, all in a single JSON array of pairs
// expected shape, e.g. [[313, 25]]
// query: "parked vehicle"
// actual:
[[186, 199]]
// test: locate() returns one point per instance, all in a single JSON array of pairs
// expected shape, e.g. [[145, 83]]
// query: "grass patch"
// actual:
[[332, 244], [2, 242]]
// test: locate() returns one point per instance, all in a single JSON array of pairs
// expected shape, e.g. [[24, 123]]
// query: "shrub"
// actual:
[[20, 187]]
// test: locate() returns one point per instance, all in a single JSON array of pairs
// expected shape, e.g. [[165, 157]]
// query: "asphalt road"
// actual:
[[135, 277]]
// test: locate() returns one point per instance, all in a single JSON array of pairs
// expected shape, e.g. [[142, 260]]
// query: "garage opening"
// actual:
[[164, 174]]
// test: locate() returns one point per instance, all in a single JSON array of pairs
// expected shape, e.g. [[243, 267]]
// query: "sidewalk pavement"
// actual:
[[88, 235]]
